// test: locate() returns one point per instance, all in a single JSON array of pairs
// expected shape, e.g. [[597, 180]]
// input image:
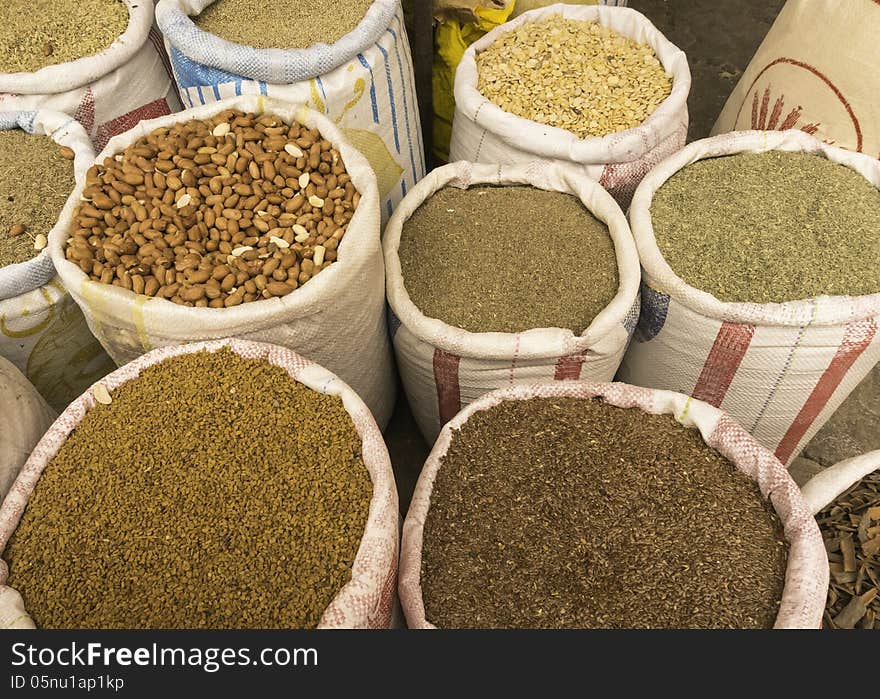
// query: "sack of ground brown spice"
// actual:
[[614, 132], [806, 574], [42, 331], [780, 365], [108, 90], [444, 366], [336, 318], [264, 574], [348, 60]]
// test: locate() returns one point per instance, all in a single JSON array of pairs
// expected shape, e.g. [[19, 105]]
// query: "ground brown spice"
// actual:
[[213, 492], [565, 513], [508, 259]]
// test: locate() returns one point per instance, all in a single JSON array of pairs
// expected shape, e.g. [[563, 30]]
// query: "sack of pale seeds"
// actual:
[[122, 80], [332, 563], [514, 103], [336, 317], [350, 61], [782, 350], [527, 545], [42, 331], [445, 366]]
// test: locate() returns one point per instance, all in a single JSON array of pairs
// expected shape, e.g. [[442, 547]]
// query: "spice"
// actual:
[[36, 178], [215, 213], [566, 513], [508, 259], [282, 23], [770, 227], [212, 492], [574, 75], [851, 529], [39, 33]]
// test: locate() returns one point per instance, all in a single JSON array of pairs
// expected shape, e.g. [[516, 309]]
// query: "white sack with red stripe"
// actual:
[[780, 369], [109, 92], [806, 577], [444, 368], [483, 132]]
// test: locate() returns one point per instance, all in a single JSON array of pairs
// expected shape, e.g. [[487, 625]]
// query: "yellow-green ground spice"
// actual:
[[282, 23], [770, 227], [212, 492], [36, 178], [508, 259], [40, 33]]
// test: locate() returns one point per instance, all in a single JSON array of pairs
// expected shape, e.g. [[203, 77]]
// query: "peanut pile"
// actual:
[[216, 212]]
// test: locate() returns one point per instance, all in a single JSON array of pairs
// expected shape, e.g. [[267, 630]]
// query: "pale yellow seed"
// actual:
[[40, 242], [184, 201], [280, 242], [299, 230], [316, 202], [101, 394], [293, 150], [221, 129], [241, 250], [318, 258], [304, 180]]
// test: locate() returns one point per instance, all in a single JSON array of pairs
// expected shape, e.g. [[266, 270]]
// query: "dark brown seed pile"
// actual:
[[212, 492], [508, 259], [851, 530], [565, 513]]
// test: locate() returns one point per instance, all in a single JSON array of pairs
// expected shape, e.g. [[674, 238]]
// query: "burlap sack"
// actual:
[[42, 331], [108, 93], [444, 368], [364, 83], [780, 370], [364, 602], [806, 579], [337, 319], [482, 132]]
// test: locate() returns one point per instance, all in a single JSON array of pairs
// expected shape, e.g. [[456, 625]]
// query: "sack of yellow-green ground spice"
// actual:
[[42, 331], [107, 92]]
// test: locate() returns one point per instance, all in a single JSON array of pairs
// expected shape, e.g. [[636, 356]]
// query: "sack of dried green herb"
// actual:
[[42, 331], [780, 369], [615, 153], [364, 601], [337, 318], [445, 367], [107, 92], [806, 577], [349, 60]]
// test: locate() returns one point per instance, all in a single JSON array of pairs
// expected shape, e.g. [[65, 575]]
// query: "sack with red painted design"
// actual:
[[483, 132], [444, 368], [780, 369], [816, 70], [109, 92]]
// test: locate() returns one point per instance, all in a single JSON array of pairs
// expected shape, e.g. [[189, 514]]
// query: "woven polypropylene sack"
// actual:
[[42, 331], [444, 368], [364, 83], [806, 577], [109, 92], [337, 319], [366, 601], [483, 132], [780, 369]]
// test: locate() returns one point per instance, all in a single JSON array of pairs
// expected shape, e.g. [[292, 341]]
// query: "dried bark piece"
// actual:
[[848, 549]]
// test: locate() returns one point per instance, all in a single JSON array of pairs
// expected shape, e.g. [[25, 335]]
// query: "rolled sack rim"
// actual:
[[535, 343], [555, 143], [826, 486], [71, 75], [276, 65], [362, 236], [658, 274]]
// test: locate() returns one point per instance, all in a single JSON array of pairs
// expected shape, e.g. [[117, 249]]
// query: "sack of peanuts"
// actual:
[[780, 367], [42, 331], [123, 77], [231, 239], [344, 529], [24, 418], [514, 102], [814, 71], [425, 583], [445, 366], [350, 61]]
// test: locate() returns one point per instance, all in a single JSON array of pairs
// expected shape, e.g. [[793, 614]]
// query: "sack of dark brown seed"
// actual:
[[250, 217], [586, 505]]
